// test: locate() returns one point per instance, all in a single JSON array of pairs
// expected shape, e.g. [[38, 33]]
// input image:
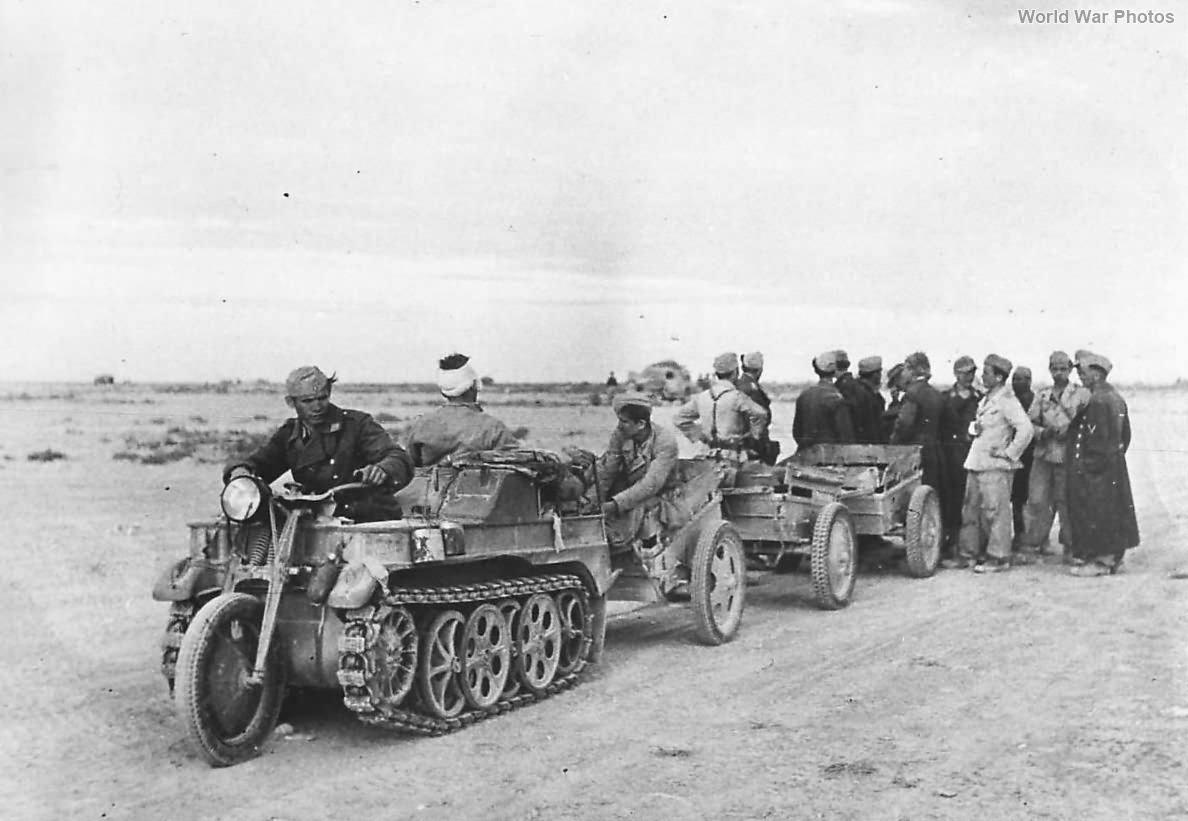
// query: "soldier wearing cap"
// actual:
[[325, 445], [1100, 503], [1021, 385], [1051, 414], [460, 425], [748, 382], [895, 386], [848, 386], [822, 415], [722, 417], [961, 402], [868, 404], [1001, 432], [920, 419], [637, 469]]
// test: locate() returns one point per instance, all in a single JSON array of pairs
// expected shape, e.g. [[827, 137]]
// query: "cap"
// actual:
[[1089, 359], [843, 359], [725, 362], [870, 364], [826, 362], [963, 364], [754, 361], [306, 381], [999, 363], [894, 374], [1058, 358], [631, 399], [918, 362], [1022, 371]]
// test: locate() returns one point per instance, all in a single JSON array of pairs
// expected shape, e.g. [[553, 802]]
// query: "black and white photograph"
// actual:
[[555, 410]]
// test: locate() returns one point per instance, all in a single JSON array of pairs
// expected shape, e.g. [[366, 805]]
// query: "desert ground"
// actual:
[[1029, 694]]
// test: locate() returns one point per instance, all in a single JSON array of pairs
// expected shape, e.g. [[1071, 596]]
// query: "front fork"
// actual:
[[276, 586]]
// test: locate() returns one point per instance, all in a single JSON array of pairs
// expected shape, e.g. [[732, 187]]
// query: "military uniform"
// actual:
[[635, 475], [328, 454], [822, 416], [919, 423], [722, 417], [767, 450], [1051, 417], [955, 441], [456, 427], [868, 413]]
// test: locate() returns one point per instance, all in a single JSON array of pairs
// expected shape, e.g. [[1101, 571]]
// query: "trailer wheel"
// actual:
[[227, 717], [719, 583], [834, 562], [922, 532]]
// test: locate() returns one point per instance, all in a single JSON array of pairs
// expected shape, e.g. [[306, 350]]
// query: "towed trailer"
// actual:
[[817, 502]]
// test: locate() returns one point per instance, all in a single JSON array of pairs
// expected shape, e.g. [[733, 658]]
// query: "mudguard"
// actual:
[[182, 581]]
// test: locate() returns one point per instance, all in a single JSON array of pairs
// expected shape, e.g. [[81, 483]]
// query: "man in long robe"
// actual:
[[1100, 502]]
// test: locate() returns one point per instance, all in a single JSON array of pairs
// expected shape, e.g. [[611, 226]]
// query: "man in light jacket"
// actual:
[[723, 417], [1001, 431]]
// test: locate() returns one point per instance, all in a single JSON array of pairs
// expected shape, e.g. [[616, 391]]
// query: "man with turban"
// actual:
[[748, 382], [722, 416], [460, 425], [638, 467], [1001, 432], [325, 445], [822, 414], [1100, 503]]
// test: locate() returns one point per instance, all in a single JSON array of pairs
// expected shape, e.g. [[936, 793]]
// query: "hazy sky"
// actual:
[[209, 191]]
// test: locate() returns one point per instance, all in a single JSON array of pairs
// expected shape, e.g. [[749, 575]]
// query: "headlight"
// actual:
[[242, 498]]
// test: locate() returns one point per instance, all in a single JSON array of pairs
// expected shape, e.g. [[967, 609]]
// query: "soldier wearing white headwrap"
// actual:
[[459, 426]]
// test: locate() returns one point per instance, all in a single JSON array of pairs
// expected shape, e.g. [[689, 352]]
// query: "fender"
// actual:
[[183, 580]]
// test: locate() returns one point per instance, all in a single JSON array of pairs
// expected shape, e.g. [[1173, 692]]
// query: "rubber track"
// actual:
[[358, 698]]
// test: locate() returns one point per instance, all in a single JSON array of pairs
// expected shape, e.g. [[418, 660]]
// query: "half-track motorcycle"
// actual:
[[488, 595]]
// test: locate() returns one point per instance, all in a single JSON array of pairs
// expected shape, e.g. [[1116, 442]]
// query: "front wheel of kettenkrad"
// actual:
[[227, 716]]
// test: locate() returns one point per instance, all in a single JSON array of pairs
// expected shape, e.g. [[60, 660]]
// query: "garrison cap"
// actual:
[[1089, 359], [843, 359], [894, 374], [826, 362], [999, 363], [1059, 358], [963, 364], [632, 399], [753, 360], [870, 364], [725, 362], [308, 380]]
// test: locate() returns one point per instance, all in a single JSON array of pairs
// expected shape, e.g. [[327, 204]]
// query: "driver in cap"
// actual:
[[325, 445]]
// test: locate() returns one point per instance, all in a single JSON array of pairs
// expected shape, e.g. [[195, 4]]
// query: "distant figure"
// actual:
[[1052, 414], [1100, 503], [104, 379], [765, 449], [611, 382], [868, 402], [460, 425], [325, 445], [722, 416], [961, 401], [1021, 385], [638, 466], [822, 415], [1001, 432]]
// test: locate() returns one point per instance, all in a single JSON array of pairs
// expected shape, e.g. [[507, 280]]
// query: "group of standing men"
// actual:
[[1004, 460]]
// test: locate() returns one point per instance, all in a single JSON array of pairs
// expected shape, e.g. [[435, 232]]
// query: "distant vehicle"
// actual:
[[668, 380], [104, 379]]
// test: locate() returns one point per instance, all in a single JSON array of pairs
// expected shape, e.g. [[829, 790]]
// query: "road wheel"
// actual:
[[486, 656], [577, 631], [834, 557], [510, 608], [227, 717], [719, 583], [538, 643], [922, 532], [437, 679]]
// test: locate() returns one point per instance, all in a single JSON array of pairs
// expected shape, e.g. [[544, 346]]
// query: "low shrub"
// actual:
[[47, 455]]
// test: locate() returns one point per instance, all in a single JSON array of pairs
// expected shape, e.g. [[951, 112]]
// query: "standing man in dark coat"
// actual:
[[868, 402], [1021, 385], [1100, 503], [961, 402], [848, 387], [895, 385], [822, 415], [919, 423], [325, 445]]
